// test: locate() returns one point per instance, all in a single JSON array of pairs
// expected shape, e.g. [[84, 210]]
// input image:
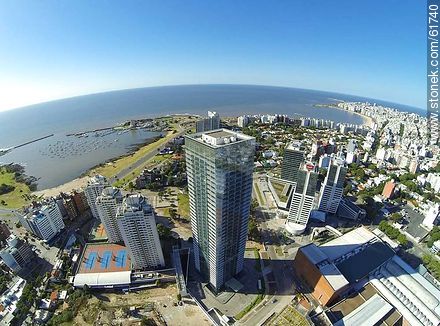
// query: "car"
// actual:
[[274, 300]]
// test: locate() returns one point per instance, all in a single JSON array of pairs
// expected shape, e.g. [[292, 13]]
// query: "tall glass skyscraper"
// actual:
[[219, 168]]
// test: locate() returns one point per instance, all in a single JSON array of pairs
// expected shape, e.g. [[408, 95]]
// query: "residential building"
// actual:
[[138, 229], [94, 188], [107, 204], [332, 188], [4, 232], [80, 201], [302, 201], [44, 221], [243, 121], [349, 210], [293, 158], [388, 189], [219, 169], [17, 253], [212, 122]]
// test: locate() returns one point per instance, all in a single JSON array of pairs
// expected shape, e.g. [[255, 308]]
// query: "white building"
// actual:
[[16, 254], [332, 189], [302, 202], [137, 225], [94, 188], [44, 222], [243, 121], [107, 204], [432, 216]]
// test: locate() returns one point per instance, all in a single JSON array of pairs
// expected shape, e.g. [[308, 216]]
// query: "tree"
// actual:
[[163, 231], [253, 231], [395, 217]]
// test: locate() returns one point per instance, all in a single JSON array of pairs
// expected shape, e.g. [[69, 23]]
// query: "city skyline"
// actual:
[[58, 50]]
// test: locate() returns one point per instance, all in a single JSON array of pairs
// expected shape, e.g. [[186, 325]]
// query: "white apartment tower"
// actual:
[[107, 204], [332, 189], [137, 225], [45, 222], [302, 202], [94, 188]]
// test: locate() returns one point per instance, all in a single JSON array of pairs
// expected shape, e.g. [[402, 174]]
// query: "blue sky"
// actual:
[[55, 49]]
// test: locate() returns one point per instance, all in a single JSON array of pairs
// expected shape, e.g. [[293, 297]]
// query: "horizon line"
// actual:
[[204, 84]]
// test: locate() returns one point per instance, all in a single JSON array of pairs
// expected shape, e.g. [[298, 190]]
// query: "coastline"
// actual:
[[368, 121], [123, 164]]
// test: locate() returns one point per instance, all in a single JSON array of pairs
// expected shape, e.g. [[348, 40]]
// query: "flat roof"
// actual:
[[346, 243], [220, 133], [369, 313], [313, 253], [333, 276], [361, 264], [104, 258]]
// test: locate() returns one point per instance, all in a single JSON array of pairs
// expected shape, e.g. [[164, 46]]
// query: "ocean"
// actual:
[[76, 155]]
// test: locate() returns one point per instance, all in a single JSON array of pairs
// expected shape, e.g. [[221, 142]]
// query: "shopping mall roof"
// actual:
[[361, 264], [369, 313]]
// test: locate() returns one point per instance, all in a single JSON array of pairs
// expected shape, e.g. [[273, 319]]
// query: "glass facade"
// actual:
[[220, 188]]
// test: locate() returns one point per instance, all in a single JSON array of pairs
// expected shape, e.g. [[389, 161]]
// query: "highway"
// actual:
[[127, 170]]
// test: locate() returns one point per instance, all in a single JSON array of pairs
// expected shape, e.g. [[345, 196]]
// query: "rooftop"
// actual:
[[104, 258], [219, 137], [361, 264]]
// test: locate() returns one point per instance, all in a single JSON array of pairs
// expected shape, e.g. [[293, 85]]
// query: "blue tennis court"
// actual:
[[91, 260], [121, 258], [106, 259]]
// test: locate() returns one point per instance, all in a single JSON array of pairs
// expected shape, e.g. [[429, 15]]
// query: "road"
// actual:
[[282, 269], [127, 170]]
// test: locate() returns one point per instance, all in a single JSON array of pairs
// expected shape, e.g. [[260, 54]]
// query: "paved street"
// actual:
[[282, 270]]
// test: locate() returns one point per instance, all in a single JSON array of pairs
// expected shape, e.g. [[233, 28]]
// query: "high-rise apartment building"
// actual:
[[212, 122], [107, 204], [17, 253], [293, 158], [137, 225], [302, 201], [44, 221], [219, 168], [94, 188], [332, 188]]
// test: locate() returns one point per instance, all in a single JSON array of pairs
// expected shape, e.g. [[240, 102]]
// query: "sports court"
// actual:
[[104, 257]]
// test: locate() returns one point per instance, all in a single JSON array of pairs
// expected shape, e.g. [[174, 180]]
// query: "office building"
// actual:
[[137, 225], [212, 122], [332, 188], [302, 201], [44, 221], [17, 253], [219, 168], [107, 204], [94, 188], [293, 158]]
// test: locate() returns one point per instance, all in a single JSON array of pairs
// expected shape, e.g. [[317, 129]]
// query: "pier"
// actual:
[[32, 141]]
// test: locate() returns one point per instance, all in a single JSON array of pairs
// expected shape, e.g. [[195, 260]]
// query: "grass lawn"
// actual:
[[16, 198], [111, 169], [260, 196], [183, 203]]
